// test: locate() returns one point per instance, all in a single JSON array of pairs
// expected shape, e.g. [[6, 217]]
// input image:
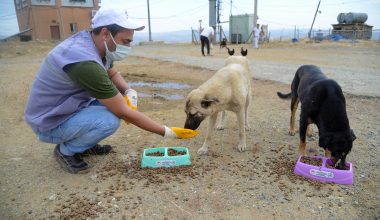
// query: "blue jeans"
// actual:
[[83, 130]]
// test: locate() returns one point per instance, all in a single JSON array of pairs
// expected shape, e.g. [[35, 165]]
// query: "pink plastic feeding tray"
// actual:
[[322, 173]]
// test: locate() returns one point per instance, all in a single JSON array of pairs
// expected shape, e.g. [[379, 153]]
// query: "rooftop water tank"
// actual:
[[341, 18], [352, 17]]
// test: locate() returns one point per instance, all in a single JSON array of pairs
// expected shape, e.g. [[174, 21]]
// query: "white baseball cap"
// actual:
[[108, 16]]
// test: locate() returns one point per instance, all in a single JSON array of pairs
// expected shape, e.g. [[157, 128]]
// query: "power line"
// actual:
[[144, 5], [174, 15], [272, 6], [7, 15], [281, 24]]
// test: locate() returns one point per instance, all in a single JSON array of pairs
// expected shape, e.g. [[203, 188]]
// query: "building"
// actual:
[[353, 31], [352, 26], [241, 27], [54, 19]]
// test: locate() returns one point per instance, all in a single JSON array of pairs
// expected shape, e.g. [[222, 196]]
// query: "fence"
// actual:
[[337, 35], [316, 35], [320, 35]]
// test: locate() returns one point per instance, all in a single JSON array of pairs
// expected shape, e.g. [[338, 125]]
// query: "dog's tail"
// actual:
[[284, 96]]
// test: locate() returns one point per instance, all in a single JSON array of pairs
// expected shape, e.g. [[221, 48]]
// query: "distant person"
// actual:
[[206, 37], [256, 35], [262, 34], [78, 95]]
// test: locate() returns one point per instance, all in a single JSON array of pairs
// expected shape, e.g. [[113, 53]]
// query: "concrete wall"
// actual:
[[353, 31]]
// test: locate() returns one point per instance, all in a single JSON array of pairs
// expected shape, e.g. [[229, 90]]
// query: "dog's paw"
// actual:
[[202, 151], [292, 132], [220, 127], [242, 147]]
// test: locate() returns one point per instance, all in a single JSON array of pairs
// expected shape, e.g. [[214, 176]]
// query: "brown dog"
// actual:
[[229, 89]]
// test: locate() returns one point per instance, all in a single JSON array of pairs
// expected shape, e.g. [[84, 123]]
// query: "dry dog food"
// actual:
[[155, 154], [312, 161], [331, 166], [173, 152]]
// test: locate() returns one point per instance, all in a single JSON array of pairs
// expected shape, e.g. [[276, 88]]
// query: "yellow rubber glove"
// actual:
[[181, 133], [128, 95], [129, 103]]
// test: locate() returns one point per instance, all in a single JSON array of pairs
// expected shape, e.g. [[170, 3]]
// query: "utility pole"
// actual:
[[254, 22], [315, 15], [150, 34], [231, 8], [218, 11], [255, 15], [218, 27]]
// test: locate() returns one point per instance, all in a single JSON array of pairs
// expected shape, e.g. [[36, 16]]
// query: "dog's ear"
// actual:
[[207, 101]]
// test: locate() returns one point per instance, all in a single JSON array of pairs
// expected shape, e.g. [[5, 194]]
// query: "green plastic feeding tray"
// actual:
[[165, 157]]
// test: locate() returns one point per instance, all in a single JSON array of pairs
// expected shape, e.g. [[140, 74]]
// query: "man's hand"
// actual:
[[181, 133], [130, 96]]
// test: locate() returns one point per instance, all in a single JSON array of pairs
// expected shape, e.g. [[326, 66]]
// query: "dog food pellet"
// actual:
[[331, 166], [173, 152], [312, 161], [157, 154]]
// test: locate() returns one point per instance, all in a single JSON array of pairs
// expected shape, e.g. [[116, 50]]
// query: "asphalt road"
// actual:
[[353, 80]]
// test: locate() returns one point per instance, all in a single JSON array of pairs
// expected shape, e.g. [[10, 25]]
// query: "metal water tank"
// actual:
[[353, 17], [341, 18]]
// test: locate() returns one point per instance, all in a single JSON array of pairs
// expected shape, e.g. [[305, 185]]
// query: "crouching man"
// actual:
[[78, 97]]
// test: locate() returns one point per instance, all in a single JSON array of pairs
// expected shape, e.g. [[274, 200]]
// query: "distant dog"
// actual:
[[223, 43], [322, 103], [229, 89]]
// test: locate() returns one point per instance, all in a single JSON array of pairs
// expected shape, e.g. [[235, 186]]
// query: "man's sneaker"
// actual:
[[72, 164], [97, 150]]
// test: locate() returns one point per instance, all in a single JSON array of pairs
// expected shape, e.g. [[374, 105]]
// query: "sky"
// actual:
[[171, 15], [174, 15], [8, 19]]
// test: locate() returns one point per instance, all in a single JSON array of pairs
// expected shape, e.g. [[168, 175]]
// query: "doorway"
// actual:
[[54, 31]]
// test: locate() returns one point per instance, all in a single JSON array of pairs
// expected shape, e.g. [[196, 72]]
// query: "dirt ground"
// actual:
[[226, 184]]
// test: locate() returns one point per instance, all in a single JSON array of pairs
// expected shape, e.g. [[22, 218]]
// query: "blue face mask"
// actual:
[[121, 52]]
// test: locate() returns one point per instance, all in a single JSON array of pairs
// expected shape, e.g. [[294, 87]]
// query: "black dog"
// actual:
[[322, 103], [223, 43]]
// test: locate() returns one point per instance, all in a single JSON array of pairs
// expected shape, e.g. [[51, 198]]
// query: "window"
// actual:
[[18, 4], [24, 3], [73, 28], [93, 12]]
